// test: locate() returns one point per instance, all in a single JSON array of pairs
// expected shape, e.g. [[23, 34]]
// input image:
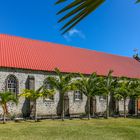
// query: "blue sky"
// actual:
[[112, 28]]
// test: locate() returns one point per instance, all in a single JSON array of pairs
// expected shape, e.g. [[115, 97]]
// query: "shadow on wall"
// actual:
[[92, 106], [26, 108], [66, 105], [59, 106], [112, 105], [131, 106]]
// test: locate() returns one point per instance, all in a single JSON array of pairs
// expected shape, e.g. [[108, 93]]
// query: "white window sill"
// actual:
[[78, 99], [49, 100]]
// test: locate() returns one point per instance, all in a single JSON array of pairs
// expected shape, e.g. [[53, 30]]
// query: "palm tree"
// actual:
[[6, 97], [89, 86], [108, 85], [135, 92], [123, 91], [77, 11], [62, 83], [34, 95]]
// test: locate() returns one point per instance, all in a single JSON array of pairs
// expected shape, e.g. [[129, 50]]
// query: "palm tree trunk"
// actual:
[[32, 108], [62, 107], [94, 106], [4, 120], [4, 112], [136, 105], [35, 111], [117, 107], [88, 101], [124, 108], [107, 107]]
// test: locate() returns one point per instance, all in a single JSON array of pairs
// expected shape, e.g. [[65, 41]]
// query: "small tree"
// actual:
[[135, 92], [108, 85], [6, 97], [34, 95], [89, 87], [123, 91], [62, 83]]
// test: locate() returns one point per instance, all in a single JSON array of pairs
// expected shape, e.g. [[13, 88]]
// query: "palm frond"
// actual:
[[61, 82], [54, 82], [6, 97], [67, 78], [78, 10], [60, 1], [32, 94], [58, 72], [110, 73], [137, 1], [90, 86], [46, 93], [70, 6]]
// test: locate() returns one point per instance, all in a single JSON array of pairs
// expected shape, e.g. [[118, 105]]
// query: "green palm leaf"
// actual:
[[60, 1], [78, 10], [6, 97], [137, 1], [62, 83]]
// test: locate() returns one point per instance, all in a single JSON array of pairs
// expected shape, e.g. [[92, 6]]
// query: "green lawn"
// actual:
[[95, 129]]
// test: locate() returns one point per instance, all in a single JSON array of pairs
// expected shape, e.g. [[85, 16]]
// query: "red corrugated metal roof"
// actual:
[[17, 52]]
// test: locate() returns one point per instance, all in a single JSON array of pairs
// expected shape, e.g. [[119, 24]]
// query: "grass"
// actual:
[[95, 129]]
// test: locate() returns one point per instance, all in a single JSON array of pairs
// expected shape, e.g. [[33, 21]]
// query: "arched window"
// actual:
[[12, 84]]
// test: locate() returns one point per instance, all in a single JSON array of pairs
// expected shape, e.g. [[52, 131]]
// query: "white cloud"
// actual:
[[67, 37], [74, 33]]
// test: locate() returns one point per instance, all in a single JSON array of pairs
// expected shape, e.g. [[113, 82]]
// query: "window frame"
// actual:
[[10, 86], [102, 98], [48, 99], [78, 96]]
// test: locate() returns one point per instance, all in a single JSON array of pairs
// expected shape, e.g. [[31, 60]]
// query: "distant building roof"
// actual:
[[17, 52]]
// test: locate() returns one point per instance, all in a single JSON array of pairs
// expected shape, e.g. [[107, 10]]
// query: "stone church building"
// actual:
[[26, 63]]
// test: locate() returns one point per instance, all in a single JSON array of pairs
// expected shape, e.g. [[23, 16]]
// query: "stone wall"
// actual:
[[121, 105], [44, 107], [100, 104], [77, 106]]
